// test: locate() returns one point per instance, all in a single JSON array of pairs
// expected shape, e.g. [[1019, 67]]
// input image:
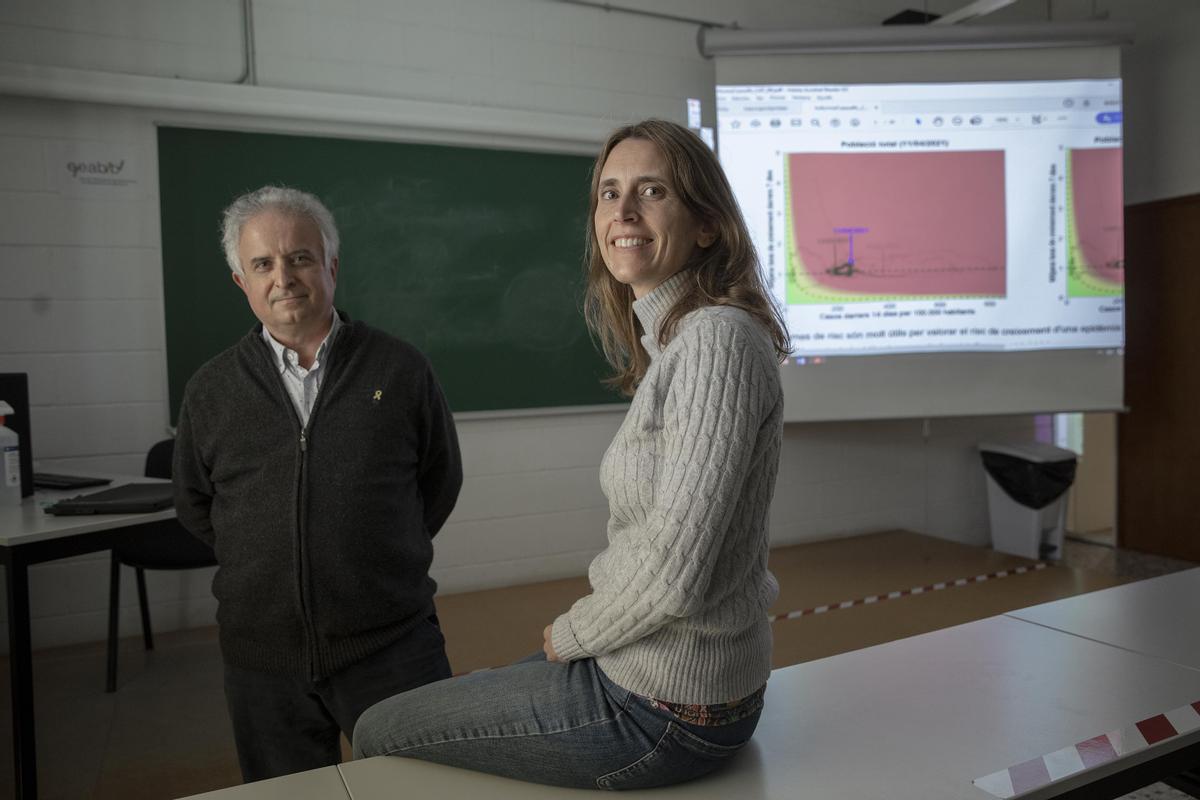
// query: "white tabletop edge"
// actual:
[[315, 784]]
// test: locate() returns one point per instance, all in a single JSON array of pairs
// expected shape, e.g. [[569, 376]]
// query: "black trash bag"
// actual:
[[1032, 484]]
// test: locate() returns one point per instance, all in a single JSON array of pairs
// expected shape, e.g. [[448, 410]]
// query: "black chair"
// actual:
[[160, 545]]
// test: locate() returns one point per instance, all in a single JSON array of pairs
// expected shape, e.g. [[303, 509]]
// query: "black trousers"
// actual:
[[285, 724]]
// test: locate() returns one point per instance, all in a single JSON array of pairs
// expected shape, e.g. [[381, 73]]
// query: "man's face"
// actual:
[[284, 274]]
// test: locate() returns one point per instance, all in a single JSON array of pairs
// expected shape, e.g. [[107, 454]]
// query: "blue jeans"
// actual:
[[547, 722], [284, 724]]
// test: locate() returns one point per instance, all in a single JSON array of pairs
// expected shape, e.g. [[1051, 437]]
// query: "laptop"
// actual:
[[131, 498], [53, 480]]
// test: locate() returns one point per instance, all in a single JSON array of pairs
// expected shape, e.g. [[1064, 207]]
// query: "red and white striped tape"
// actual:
[[1091, 753], [933, 587]]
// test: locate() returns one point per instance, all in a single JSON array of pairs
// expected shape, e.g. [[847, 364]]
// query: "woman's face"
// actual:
[[645, 232]]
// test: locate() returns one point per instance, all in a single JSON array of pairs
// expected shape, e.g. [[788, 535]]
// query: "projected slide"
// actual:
[[895, 226], [934, 217], [1095, 223]]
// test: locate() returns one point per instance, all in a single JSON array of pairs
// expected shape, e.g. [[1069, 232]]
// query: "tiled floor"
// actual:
[[1098, 556], [164, 733]]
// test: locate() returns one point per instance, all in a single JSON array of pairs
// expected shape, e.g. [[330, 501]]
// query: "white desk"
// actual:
[[28, 535], [918, 718], [316, 784], [1155, 617]]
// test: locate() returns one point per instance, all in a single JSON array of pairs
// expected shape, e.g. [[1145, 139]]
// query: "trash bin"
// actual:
[[1027, 486]]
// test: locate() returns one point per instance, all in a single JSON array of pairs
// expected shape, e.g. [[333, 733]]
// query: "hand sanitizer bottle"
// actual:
[[10, 461]]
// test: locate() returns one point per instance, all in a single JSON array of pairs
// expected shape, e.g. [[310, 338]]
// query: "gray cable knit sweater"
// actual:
[[678, 609]]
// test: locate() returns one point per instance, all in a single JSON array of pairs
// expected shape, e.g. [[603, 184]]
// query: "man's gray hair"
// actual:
[[268, 198]]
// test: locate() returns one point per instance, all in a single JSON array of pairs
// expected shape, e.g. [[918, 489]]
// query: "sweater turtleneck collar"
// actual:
[[652, 308]]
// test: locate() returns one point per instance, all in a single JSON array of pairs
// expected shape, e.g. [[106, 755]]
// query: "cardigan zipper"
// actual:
[[301, 563], [302, 480], [310, 627]]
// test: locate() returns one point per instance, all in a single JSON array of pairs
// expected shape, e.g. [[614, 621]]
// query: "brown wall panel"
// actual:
[[1158, 440]]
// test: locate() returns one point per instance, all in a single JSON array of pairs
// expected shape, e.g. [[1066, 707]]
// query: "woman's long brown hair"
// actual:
[[726, 273]]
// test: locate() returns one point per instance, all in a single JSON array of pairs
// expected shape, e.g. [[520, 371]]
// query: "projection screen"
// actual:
[[942, 223]]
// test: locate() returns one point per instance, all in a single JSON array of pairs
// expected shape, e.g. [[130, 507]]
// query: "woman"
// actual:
[[657, 676]]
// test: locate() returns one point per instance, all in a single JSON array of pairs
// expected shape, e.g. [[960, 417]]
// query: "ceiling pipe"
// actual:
[[901, 38]]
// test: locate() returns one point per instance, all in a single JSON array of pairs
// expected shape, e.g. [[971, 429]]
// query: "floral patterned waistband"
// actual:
[[713, 714]]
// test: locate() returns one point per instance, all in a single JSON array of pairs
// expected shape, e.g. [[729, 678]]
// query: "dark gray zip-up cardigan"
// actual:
[[323, 536]]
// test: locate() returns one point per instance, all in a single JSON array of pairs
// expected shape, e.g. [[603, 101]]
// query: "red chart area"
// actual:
[[1099, 212], [924, 224]]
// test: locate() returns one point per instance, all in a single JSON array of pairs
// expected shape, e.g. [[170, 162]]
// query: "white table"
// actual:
[[1155, 617], [317, 784], [917, 718], [925, 717], [28, 535]]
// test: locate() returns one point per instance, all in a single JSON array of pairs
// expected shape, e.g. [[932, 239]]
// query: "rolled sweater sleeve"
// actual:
[[658, 568]]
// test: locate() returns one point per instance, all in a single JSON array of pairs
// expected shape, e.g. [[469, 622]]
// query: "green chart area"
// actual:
[[800, 286], [1095, 253]]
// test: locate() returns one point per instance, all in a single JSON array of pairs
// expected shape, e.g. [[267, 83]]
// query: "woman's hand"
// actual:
[[548, 645]]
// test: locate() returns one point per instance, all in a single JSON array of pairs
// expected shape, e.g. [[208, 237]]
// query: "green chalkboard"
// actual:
[[473, 255]]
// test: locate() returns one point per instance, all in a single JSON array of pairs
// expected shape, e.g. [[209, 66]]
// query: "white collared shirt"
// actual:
[[302, 384]]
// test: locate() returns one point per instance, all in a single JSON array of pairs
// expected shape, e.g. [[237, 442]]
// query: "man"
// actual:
[[318, 457]]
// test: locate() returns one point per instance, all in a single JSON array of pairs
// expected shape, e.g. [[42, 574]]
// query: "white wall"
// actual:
[[80, 275], [1160, 72]]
